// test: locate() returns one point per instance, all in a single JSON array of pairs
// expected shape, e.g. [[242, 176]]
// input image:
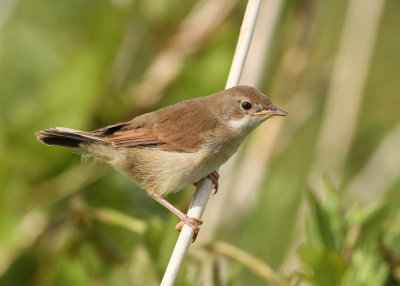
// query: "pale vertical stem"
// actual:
[[243, 45], [203, 191]]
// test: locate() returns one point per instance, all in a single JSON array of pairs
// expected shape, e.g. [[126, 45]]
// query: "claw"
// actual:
[[214, 176], [193, 223]]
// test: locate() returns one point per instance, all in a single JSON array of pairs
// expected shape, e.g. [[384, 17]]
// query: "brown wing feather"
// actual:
[[171, 128], [177, 140], [141, 136]]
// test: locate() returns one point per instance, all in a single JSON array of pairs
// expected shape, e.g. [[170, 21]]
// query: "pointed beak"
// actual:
[[274, 111]]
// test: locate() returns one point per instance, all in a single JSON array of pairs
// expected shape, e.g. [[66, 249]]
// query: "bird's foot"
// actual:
[[213, 176], [191, 222]]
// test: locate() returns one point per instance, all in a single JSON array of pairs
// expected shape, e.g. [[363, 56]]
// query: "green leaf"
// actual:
[[371, 221], [320, 220], [328, 267]]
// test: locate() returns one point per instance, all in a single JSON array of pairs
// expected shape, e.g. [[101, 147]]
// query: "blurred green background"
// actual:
[[311, 199]]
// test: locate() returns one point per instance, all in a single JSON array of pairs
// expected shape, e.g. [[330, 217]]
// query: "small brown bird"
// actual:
[[166, 150]]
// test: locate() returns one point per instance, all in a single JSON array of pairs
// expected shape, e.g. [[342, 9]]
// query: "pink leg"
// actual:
[[192, 222]]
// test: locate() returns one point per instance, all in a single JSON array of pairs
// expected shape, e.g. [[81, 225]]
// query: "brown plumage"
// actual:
[[166, 150]]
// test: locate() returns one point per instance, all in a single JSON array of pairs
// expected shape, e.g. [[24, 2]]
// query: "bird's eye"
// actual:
[[246, 105]]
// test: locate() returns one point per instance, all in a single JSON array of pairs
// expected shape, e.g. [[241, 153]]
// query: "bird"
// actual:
[[166, 150]]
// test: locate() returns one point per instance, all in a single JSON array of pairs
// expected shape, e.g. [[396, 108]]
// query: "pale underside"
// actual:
[[164, 172]]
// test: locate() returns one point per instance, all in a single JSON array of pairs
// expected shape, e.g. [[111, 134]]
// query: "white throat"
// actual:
[[245, 124]]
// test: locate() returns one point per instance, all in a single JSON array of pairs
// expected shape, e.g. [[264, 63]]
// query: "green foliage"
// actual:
[[353, 247]]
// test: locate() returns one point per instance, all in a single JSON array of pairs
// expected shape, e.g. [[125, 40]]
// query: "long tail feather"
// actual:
[[66, 137]]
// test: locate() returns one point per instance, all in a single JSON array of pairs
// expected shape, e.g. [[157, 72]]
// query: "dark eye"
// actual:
[[246, 105]]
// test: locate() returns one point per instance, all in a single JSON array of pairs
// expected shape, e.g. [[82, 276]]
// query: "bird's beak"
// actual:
[[274, 111]]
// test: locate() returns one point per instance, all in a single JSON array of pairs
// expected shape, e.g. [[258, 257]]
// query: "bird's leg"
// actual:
[[192, 222], [213, 176]]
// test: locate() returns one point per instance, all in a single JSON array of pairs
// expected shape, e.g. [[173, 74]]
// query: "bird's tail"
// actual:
[[66, 137]]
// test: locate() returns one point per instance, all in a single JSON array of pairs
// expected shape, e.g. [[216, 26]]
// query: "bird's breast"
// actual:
[[162, 172]]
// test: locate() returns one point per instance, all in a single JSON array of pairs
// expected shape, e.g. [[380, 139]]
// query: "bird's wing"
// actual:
[[173, 130], [163, 138]]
